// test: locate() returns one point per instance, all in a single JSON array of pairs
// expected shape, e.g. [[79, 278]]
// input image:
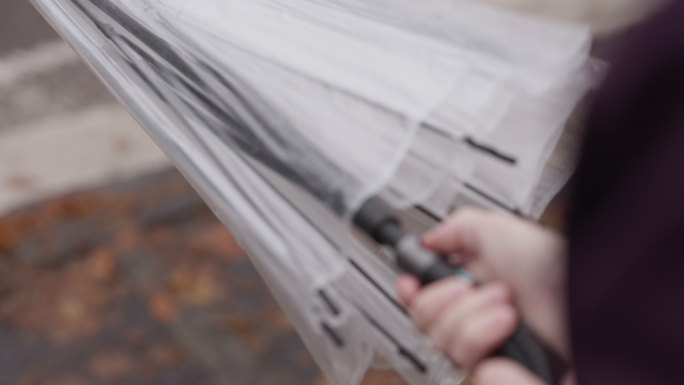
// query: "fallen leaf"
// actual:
[[236, 324], [52, 379], [19, 183], [166, 355], [122, 145], [197, 285], [163, 309], [217, 241], [102, 265], [383, 377], [110, 365], [71, 309]]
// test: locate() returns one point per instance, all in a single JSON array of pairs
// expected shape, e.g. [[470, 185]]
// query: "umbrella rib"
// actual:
[[472, 143], [333, 198], [492, 199], [403, 351], [365, 274]]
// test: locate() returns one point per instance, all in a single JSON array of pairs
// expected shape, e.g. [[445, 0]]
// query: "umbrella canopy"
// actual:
[[287, 115]]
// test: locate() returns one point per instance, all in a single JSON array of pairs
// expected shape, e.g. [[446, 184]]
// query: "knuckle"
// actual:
[[501, 290], [420, 309], [471, 340], [438, 339], [418, 319], [456, 289], [469, 346], [456, 355], [510, 317], [489, 372], [439, 295]]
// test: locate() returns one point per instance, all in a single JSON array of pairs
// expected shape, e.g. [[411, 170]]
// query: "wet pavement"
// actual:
[[137, 283], [60, 128], [21, 26], [39, 75]]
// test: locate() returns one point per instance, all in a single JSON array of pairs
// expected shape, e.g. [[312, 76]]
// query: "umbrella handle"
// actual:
[[523, 346], [376, 219]]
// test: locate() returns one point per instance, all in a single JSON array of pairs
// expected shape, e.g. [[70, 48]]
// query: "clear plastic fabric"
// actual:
[[286, 115]]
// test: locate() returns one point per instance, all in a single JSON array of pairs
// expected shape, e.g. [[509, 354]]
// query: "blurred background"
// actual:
[[112, 270]]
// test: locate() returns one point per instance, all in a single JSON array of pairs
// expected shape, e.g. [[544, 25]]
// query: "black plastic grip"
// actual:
[[441, 270], [523, 347]]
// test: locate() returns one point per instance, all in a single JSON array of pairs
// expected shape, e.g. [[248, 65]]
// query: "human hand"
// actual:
[[518, 261]]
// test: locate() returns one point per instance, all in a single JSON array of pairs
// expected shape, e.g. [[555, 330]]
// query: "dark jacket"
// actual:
[[626, 225]]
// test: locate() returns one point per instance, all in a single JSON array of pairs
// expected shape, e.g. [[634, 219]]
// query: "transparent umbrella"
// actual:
[[306, 124]]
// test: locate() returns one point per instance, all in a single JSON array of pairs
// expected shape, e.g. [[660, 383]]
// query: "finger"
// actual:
[[482, 334], [496, 371], [435, 298], [407, 288], [447, 326], [457, 233]]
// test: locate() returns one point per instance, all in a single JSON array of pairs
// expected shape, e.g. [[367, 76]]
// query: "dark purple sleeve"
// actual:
[[626, 228]]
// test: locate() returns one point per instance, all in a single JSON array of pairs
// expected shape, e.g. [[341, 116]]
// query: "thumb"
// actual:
[[459, 233], [463, 237]]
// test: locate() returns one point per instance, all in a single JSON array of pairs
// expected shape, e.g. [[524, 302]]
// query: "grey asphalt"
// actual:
[[21, 26], [59, 91]]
